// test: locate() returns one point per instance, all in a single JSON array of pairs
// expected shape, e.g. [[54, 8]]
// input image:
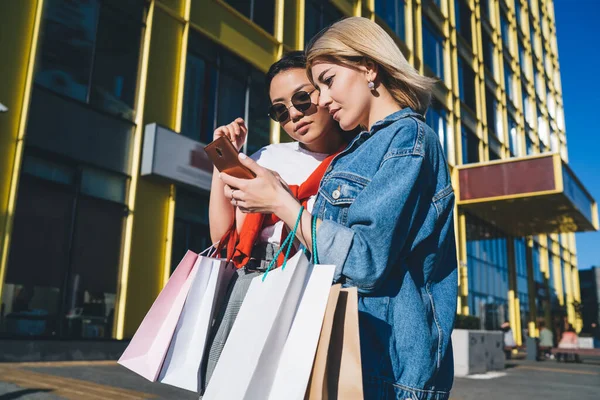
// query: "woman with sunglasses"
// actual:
[[254, 239], [384, 211]]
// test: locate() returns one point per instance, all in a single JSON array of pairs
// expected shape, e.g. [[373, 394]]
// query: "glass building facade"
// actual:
[[88, 242]]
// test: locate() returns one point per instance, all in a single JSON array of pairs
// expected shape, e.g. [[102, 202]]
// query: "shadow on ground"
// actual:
[[21, 393]]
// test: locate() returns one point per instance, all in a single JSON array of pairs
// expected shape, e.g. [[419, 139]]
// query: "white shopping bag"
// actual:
[[260, 332], [298, 355], [182, 364]]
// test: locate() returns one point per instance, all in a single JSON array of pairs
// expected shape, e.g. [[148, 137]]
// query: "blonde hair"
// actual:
[[354, 40]]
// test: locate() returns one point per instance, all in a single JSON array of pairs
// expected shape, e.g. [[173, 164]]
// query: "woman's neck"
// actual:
[[329, 143], [381, 106]]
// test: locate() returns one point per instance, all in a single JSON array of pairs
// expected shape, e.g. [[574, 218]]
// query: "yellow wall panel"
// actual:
[[291, 24], [177, 6], [163, 70], [147, 251], [232, 30], [151, 233], [19, 29]]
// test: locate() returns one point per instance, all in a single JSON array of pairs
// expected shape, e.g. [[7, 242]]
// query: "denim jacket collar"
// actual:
[[382, 123], [390, 119]]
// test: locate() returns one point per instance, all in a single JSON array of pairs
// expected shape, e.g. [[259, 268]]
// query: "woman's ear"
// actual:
[[371, 70]]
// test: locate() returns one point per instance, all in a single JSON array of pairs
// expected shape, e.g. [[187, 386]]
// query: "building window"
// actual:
[[532, 38], [219, 87], [551, 280], [436, 118], [190, 228], [564, 281], [488, 273], [547, 63], [494, 148], [488, 51], [505, 30], [493, 155], [90, 52], [262, 12], [486, 11], [433, 49], [527, 109], [463, 20], [523, 59], [543, 128], [466, 84], [491, 107], [318, 15], [518, 13], [392, 12], [470, 145], [513, 138], [560, 118], [522, 283], [232, 87], [529, 142], [509, 82], [554, 142], [62, 273], [257, 119], [551, 104], [538, 276], [199, 106], [540, 85]]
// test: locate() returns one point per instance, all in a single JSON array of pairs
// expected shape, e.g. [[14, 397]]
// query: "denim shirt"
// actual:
[[387, 207]]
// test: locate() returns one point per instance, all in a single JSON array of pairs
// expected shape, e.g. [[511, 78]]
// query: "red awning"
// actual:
[[527, 196]]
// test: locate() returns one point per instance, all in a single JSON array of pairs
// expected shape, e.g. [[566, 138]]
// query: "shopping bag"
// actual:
[[145, 353], [248, 363], [317, 386], [182, 365], [296, 360], [341, 376]]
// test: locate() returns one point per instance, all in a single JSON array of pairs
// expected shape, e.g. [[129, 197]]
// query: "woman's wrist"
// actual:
[[286, 207]]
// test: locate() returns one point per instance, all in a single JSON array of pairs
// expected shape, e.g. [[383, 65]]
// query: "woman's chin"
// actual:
[[347, 125]]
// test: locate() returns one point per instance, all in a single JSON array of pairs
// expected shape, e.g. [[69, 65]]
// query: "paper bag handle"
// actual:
[[288, 242]]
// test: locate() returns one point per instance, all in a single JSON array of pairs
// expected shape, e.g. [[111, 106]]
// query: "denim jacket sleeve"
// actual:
[[390, 209]]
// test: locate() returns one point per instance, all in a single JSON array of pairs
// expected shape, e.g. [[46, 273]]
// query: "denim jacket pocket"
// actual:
[[340, 190]]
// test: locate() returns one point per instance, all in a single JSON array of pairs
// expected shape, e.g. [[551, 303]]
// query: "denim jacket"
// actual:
[[387, 208]]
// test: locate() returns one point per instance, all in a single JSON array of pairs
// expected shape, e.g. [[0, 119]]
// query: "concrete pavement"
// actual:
[[105, 380]]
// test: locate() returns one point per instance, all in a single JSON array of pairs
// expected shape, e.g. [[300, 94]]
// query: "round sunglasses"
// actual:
[[301, 101]]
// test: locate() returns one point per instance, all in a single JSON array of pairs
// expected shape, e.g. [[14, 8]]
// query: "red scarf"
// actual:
[[239, 247]]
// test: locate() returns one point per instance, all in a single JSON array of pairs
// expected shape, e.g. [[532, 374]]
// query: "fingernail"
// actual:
[[219, 176], [243, 156]]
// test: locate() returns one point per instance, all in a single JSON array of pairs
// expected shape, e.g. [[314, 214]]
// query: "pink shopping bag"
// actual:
[[146, 352]]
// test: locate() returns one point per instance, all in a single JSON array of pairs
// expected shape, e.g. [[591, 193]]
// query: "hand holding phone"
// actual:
[[235, 131], [225, 158]]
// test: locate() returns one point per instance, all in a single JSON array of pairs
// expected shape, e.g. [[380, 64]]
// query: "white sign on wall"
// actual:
[[179, 159]]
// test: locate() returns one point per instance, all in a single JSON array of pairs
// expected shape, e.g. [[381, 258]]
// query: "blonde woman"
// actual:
[[384, 211]]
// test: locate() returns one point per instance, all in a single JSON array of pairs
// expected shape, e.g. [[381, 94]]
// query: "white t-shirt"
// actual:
[[294, 164]]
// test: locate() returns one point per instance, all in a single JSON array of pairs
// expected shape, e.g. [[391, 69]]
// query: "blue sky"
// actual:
[[578, 30]]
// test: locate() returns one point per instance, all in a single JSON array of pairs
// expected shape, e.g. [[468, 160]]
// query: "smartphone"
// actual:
[[225, 158]]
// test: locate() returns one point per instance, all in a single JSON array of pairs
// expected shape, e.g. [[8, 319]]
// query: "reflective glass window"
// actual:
[[392, 12], [90, 52], [433, 48], [463, 20], [318, 15], [470, 145], [466, 83], [262, 12], [436, 118]]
